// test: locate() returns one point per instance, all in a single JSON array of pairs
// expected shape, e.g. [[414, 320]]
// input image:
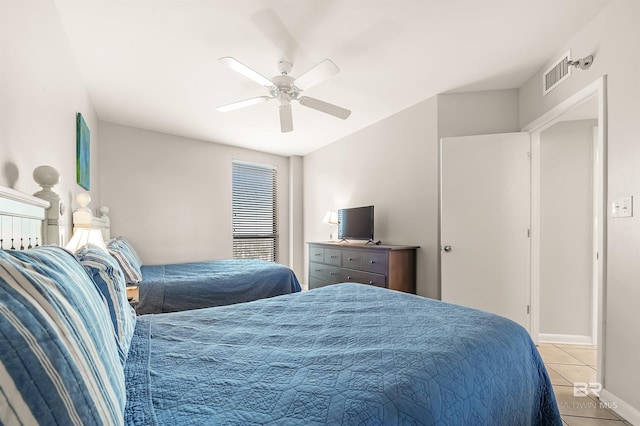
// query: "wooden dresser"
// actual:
[[389, 266]]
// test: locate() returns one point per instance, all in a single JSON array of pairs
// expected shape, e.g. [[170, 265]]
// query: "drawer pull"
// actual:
[[333, 257], [317, 270], [370, 282], [332, 273], [349, 258], [317, 254], [372, 262], [348, 277]]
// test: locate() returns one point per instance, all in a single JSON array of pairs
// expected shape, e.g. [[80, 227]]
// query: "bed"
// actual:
[[194, 285], [73, 352], [180, 287], [343, 354]]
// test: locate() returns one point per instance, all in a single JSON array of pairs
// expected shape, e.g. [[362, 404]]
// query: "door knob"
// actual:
[[447, 248]]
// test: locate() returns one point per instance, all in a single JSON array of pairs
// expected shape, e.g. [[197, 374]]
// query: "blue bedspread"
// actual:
[[179, 287], [342, 354]]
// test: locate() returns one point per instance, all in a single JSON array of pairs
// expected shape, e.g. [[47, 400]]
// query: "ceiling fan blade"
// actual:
[[317, 74], [325, 107], [277, 32], [241, 68], [242, 104], [286, 119]]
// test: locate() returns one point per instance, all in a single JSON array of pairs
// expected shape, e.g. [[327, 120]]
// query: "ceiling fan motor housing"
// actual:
[[283, 88]]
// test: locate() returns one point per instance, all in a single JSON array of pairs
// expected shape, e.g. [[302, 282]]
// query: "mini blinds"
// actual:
[[255, 212]]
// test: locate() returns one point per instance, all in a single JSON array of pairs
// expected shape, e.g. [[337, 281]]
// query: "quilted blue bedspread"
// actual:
[[342, 354], [179, 287]]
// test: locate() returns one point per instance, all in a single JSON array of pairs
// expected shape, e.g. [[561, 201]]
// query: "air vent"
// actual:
[[556, 73]]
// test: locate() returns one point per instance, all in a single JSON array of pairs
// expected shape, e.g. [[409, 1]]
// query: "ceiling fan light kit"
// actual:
[[285, 89]]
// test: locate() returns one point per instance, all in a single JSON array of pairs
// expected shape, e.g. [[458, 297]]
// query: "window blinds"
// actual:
[[255, 211]]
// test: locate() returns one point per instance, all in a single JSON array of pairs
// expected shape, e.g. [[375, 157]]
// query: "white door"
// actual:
[[485, 216]]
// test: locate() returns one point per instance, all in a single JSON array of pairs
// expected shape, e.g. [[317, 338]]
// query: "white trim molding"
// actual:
[[597, 89], [568, 339], [620, 407]]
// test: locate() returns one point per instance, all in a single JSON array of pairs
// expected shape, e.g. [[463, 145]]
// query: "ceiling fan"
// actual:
[[285, 89]]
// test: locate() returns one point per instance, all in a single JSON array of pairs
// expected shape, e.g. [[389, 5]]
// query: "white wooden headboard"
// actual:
[[23, 221], [31, 220]]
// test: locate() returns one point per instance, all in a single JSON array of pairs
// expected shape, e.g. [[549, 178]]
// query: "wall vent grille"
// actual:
[[559, 71]]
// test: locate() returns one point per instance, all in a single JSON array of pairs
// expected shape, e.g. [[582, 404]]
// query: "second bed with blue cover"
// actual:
[[179, 287], [343, 354]]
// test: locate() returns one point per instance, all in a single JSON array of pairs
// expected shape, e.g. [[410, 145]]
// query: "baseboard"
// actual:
[[570, 339], [620, 407]]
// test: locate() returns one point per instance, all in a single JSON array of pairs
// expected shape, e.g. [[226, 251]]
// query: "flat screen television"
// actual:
[[355, 223]]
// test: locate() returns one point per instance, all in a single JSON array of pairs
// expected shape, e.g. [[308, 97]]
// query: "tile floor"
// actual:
[[567, 364]]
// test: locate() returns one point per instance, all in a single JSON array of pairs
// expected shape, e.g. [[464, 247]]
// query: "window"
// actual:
[[255, 211]]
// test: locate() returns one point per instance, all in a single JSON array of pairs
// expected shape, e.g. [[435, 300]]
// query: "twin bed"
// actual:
[[344, 354], [185, 286], [196, 285]]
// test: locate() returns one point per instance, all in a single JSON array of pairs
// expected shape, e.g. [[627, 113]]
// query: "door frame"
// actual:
[[535, 128]]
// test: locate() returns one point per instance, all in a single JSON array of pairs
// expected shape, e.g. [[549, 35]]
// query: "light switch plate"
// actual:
[[622, 207]]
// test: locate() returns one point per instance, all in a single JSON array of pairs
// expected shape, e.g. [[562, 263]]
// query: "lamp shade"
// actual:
[[83, 236], [330, 217]]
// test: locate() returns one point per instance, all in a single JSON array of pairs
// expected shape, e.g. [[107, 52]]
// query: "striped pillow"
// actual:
[[108, 277], [127, 259], [126, 243], [58, 360]]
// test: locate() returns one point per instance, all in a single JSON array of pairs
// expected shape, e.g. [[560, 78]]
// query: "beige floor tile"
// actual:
[[575, 373], [556, 378], [587, 356], [589, 421], [579, 406], [578, 364], [553, 355]]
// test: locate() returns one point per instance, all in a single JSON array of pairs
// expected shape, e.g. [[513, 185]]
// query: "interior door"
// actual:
[[485, 220]]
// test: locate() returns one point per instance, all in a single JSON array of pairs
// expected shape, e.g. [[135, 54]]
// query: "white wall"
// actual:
[[566, 229], [171, 196], [40, 92], [392, 165], [612, 37], [478, 113]]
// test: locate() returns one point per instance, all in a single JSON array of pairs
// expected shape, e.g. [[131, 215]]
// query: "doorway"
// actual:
[[567, 217], [454, 247], [584, 102]]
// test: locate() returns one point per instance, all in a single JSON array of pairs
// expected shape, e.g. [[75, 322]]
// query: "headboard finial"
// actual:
[[83, 199], [47, 177], [82, 215], [104, 214]]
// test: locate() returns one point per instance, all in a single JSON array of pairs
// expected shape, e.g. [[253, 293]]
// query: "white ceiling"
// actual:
[[153, 64]]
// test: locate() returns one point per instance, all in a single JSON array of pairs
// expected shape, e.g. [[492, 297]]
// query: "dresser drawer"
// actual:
[[351, 259], [316, 283], [324, 272], [332, 257], [374, 262], [316, 254], [348, 275]]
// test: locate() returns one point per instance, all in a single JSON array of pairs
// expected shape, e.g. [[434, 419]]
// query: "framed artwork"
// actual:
[[83, 157]]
